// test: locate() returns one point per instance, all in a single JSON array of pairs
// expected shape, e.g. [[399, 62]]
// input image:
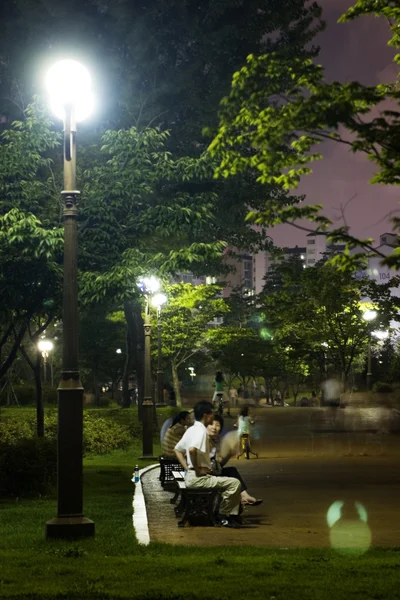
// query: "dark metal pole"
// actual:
[[147, 436], [369, 368], [160, 372], [70, 522]]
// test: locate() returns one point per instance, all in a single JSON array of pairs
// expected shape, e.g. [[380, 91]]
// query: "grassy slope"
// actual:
[[113, 565]]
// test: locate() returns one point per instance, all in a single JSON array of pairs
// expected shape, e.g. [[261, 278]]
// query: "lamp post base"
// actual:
[[69, 528], [369, 381]]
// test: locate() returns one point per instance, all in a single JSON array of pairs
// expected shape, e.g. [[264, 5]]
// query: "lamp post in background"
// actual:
[[69, 86], [150, 285], [158, 300], [45, 346], [369, 315]]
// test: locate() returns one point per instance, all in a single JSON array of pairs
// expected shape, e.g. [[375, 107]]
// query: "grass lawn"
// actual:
[[113, 565]]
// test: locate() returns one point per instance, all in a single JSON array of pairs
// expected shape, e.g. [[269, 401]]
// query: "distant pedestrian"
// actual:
[[243, 424], [233, 395], [219, 393]]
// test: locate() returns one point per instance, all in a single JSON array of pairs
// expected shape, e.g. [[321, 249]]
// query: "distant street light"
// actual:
[[118, 351], [149, 285], [381, 335], [369, 315], [69, 86], [45, 346], [158, 300]]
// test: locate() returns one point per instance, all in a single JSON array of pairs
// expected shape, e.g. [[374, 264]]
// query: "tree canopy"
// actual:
[[280, 108]]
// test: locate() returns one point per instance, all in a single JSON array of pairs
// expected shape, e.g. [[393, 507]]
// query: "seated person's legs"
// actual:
[[245, 496], [230, 495]]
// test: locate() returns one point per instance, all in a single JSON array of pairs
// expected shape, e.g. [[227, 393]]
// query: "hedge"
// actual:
[[28, 464]]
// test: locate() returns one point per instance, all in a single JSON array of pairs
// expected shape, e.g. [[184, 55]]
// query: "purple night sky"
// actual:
[[349, 51]]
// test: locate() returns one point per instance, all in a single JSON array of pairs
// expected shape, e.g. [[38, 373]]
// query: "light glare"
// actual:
[[45, 345], [158, 300], [370, 315], [68, 82]]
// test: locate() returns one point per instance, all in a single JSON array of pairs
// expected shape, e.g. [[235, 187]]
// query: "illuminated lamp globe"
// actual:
[[45, 346], [158, 300], [370, 315], [68, 83], [151, 284], [381, 335]]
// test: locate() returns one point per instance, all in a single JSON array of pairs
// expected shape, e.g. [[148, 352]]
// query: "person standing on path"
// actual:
[[219, 385], [193, 453]]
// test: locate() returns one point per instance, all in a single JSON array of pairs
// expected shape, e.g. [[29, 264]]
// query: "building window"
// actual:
[[248, 273], [310, 250], [309, 242], [311, 260]]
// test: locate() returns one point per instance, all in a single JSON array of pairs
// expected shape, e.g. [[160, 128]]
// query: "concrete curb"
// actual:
[[139, 517]]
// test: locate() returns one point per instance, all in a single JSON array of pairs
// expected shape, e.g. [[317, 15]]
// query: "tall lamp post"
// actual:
[[150, 285], [45, 346], [69, 87], [158, 300], [369, 315]]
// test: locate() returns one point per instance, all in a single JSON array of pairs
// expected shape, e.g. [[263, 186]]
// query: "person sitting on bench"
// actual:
[[214, 429], [193, 453], [174, 433]]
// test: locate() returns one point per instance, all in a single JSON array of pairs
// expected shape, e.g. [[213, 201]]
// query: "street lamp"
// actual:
[[149, 285], [45, 346], [158, 300], [69, 86], [369, 315]]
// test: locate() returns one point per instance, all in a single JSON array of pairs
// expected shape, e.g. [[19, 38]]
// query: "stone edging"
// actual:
[[139, 517]]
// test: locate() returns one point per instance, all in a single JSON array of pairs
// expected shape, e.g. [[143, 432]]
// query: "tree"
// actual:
[[30, 238], [101, 335], [323, 307], [186, 320], [279, 108]]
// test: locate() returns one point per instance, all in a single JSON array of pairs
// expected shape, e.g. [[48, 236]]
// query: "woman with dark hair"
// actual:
[[175, 433], [214, 430]]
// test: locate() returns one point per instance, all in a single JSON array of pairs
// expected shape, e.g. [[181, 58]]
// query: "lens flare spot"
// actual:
[[350, 537]]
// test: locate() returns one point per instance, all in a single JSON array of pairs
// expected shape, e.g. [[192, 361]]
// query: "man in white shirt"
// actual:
[[193, 452]]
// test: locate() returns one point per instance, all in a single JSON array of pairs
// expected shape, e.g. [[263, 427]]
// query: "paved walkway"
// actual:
[[297, 494], [309, 458]]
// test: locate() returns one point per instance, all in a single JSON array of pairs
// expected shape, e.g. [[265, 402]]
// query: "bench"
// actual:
[[197, 505], [167, 465]]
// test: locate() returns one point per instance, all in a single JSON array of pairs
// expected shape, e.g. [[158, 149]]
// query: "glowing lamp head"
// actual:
[[150, 284], [45, 346], [69, 83], [381, 335], [370, 315], [158, 300]]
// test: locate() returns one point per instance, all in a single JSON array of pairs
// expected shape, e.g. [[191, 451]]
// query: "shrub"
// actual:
[[28, 467], [13, 430], [382, 388], [101, 435], [26, 395]]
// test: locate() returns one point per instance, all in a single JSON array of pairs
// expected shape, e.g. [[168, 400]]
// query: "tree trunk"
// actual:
[[39, 397], [135, 351], [129, 353], [175, 380]]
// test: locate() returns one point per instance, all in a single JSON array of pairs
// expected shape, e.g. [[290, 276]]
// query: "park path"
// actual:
[[297, 494]]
